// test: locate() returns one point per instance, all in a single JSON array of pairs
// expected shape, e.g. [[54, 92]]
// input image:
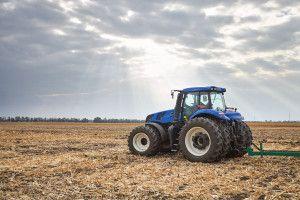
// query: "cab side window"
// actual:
[[190, 104], [204, 101]]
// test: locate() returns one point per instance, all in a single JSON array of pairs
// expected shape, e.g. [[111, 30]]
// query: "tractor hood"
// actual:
[[162, 117]]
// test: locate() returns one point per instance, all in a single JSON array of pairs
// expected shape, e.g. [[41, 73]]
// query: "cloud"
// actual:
[[293, 65], [279, 37], [250, 18], [121, 58]]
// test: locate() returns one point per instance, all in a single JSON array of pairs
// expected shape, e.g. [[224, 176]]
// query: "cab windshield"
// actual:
[[217, 101]]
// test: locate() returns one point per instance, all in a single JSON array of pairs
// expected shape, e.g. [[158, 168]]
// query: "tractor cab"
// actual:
[[197, 102], [203, 101]]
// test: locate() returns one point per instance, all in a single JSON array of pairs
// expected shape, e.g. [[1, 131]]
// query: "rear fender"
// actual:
[[210, 112]]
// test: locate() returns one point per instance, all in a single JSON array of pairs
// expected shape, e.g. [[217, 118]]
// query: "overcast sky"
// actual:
[[121, 58]]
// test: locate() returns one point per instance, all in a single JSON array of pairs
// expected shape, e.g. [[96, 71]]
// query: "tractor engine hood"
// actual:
[[162, 117]]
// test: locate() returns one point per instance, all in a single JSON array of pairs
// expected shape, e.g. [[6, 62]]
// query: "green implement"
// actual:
[[261, 152]]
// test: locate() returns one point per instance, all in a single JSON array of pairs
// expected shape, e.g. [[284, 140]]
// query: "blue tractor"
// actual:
[[201, 126]]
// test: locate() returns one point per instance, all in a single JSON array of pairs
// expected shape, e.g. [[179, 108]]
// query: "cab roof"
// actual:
[[204, 89]]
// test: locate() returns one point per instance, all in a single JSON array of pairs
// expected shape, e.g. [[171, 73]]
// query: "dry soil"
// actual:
[[83, 161]]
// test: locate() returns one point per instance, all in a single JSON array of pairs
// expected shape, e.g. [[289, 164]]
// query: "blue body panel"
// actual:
[[210, 112], [227, 115], [163, 117], [233, 115]]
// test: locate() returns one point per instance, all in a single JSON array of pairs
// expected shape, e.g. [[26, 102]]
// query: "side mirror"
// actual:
[[172, 94], [173, 91]]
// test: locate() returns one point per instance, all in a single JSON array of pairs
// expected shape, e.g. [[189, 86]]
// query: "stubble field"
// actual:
[[91, 161]]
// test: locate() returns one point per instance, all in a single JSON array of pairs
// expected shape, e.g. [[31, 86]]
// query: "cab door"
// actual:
[[195, 101], [190, 104]]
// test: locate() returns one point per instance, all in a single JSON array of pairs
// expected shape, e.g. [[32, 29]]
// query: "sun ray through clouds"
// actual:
[[121, 59]]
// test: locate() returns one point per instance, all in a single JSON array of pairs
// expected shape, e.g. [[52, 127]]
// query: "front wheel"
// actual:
[[144, 140], [200, 140]]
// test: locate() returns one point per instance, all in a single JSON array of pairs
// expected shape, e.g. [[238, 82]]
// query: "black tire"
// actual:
[[243, 139], [215, 135], [154, 141], [225, 132]]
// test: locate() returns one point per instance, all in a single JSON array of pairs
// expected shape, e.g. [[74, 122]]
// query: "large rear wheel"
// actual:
[[242, 140], [144, 140], [200, 140]]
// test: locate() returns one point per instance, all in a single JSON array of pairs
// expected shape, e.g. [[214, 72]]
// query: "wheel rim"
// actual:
[[197, 141], [141, 142]]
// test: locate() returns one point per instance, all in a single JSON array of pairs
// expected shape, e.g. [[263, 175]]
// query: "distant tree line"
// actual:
[[82, 120], [85, 120], [285, 121]]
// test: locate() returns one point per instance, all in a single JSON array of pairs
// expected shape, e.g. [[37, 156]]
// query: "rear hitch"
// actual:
[[261, 152]]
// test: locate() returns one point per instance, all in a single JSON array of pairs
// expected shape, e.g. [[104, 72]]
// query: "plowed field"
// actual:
[[91, 161]]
